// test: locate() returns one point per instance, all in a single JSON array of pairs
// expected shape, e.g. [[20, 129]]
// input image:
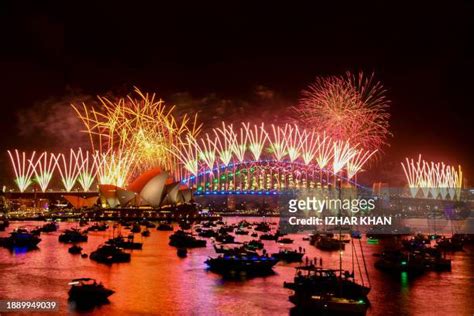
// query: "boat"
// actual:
[[20, 237], [220, 249], [438, 263], [136, 228], [182, 252], [4, 224], [313, 280], [147, 224], [269, 237], [98, 227], [329, 243], [262, 227], [207, 233], [128, 243], [110, 254], [164, 227], [240, 231], [226, 229], [285, 241], [83, 222], [36, 231], [317, 290], [184, 225], [49, 227], [254, 245], [88, 291], [182, 239], [208, 224], [75, 249], [395, 261], [235, 250], [329, 305], [450, 244], [225, 238], [251, 265], [288, 255], [72, 235]]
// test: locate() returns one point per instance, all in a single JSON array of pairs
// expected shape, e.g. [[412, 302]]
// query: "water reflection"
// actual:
[[157, 281]]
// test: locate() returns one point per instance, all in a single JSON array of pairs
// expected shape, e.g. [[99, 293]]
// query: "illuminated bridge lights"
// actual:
[[261, 176], [245, 192]]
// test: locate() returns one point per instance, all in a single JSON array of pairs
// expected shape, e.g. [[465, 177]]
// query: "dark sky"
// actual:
[[421, 51]]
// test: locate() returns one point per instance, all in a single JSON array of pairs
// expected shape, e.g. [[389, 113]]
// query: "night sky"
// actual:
[[53, 55]]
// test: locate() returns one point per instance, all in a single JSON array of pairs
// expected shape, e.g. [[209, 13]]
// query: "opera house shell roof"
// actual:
[[154, 188]]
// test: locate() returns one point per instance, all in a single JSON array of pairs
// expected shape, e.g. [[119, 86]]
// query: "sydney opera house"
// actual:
[[154, 188]]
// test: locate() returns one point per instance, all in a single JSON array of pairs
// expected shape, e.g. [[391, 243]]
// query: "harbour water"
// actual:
[[158, 282]]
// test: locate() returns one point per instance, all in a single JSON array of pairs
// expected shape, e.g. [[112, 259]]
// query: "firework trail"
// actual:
[[325, 150], [141, 125], [433, 178], [310, 146], [293, 140], [23, 169], [69, 168], [207, 152], [113, 167], [343, 152], [224, 143], [355, 164], [257, 138], [278, 145], [88, 170], [44, 168], [239, 145], [187, 154], [348, 108]]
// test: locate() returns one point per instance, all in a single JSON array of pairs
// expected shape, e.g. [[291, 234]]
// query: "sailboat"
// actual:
[[335, 291]]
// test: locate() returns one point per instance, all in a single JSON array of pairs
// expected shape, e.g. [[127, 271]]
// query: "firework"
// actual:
[[257, 138], [44, 169], [224, 143], [457, 181], [187, 154], [348, 108], [412, 174], [239, 145], [293, 139], [325, 150], [113, 167], [281, 157], [23, 168], [88, 170], [69, 168], [278, 145], [433, 178], [207, 151], [310, 146], [343, 152], [142, 125], [355, 164], [442, 178]]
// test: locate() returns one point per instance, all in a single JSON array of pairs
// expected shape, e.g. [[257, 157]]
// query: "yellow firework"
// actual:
[[141, 125]]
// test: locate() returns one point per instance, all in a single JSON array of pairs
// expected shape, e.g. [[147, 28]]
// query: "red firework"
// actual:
[[350, 108]]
